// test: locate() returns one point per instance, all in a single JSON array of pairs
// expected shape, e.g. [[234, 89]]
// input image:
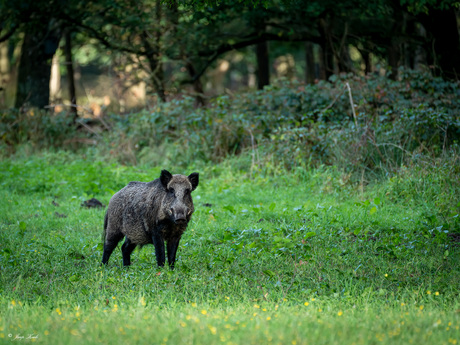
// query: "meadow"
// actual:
[[298, 257], [318, 219]]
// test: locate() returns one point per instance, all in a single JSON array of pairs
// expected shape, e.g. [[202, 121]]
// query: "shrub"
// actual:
[[37, 128], [287, 123]]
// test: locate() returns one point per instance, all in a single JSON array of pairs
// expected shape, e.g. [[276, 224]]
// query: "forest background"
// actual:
[[119, 55]]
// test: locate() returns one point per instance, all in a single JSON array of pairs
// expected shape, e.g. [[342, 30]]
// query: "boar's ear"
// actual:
[[194, 179], [165, 177]]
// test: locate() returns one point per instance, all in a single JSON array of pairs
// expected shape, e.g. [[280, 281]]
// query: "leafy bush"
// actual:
[[38, 128], [289, 124]]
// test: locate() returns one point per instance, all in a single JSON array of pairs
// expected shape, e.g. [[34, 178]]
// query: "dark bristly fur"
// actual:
[[150, 212]]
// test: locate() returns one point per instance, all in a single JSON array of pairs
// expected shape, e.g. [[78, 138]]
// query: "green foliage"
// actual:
[[37, 128], [297, 124], [424, 6], [285, 125]]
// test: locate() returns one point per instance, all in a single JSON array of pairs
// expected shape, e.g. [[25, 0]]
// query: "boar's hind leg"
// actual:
[[172, 249], [110, 244], [159, 244], [126, 249]]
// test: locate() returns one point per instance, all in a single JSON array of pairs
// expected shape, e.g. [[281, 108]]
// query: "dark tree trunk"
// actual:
[[420, 56], [327, 55], [263, 65], [366, 55], [342, 54], [326, 62], [321, 66], [394, 54], [310, 63], [197, 86], [344, 60], [172, 12], [394, 40], [156, 67], [38, 49], [159, 78], [442, 25], [412, 44], [70, 74], [152, 45]]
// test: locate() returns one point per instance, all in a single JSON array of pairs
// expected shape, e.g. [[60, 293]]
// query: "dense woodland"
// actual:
[[174, 46]]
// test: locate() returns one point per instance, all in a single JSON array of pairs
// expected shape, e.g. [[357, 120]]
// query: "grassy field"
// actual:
[[304, 257]]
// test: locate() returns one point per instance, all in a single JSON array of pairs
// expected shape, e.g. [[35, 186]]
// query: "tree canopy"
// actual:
[[176, 42]]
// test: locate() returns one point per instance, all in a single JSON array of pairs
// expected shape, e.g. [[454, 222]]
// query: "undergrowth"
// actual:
[[288, 122]]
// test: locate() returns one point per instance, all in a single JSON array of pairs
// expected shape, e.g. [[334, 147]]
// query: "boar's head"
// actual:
[[178, 203]]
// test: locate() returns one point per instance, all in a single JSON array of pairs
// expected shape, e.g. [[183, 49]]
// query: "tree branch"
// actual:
[[94, 33], [9, 33], [226, 47]]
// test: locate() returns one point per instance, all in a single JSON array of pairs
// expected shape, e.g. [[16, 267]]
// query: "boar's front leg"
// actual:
[[159, 244], [172, 245], [126, 249]]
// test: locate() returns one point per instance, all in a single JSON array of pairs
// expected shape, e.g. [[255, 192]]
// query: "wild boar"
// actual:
[[150, 212]]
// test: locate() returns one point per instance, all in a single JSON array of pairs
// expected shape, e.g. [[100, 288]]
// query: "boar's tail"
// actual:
[[105, 227]]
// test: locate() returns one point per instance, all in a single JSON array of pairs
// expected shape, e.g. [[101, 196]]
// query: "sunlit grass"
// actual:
[[323, 322], [284, 259]]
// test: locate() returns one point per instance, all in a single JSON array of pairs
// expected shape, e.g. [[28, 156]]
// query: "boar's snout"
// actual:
[[179, 216]]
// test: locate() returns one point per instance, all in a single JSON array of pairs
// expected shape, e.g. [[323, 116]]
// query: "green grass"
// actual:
[[304, 257]]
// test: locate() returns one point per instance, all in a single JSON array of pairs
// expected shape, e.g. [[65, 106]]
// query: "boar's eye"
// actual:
[[171, 190], [187, 192]]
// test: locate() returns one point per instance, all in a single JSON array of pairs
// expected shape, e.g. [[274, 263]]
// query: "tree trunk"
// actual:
[[197, 85], [38, 49], [394, 54], [310, 63], [4, 71], [156, 67], [344, 60], [394, 41], [158, 70], [70, 74], [326, 62], [366, 55], [342, 54], [420, 58], [442, 25], [172, 13], [327, 55], [263, 65], [153, 53]]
